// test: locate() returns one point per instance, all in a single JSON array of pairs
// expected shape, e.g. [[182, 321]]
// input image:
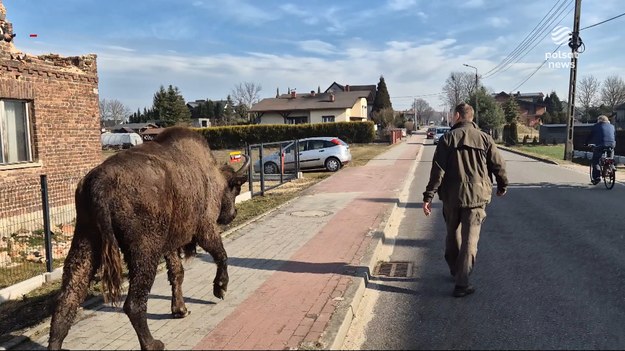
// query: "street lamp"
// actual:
[[477, 121]]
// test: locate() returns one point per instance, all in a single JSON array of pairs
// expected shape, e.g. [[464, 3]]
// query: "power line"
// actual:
[[542, 30], [537, 42], [602, 22], [536, 70], [528, 38]]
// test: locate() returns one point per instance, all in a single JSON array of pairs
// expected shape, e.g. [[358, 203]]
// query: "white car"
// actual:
[[330, 153]]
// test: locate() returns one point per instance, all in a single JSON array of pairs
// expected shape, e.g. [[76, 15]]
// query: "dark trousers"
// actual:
[[596, 156], [463, 234]]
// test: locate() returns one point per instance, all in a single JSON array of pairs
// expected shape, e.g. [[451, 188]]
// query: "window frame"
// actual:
[[332, 117], [30, 154]]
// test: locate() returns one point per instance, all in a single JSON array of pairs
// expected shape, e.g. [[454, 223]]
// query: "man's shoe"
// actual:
[[596, 181], [462, 291]]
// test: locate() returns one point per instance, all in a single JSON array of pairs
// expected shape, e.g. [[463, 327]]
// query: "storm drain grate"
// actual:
[[393, 269]]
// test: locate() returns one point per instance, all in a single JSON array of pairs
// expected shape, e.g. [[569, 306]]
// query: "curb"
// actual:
[[537, 158], [341, 320]]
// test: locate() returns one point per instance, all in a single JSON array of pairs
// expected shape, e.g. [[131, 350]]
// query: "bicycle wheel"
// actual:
[[609, 178]]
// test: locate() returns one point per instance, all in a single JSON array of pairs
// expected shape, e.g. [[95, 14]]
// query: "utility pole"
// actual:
[[477, 108], [574, 43]]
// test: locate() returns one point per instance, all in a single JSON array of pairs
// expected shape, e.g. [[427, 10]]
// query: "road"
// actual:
[[550, 271]]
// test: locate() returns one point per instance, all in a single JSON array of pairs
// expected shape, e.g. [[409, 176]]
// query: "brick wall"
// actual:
[[64, 118]]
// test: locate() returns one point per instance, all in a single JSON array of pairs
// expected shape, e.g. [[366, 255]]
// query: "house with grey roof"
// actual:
[[372, 89], [294, 108]]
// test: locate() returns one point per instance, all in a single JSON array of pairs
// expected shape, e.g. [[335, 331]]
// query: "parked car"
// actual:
[[440, 131], [430, 133], [330, 153]]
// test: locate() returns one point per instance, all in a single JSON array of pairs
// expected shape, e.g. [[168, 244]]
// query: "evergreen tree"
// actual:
[[169, 106], [382, 98], [555, 108], [511, 110], [229, 111], [491, 114]]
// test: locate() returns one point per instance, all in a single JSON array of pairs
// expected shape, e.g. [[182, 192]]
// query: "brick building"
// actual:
[[49, 124]]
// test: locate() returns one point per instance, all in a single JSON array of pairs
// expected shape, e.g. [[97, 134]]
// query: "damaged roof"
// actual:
[[322, 101]]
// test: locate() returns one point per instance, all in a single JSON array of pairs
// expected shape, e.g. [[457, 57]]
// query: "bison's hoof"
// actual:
[[219, 292], [181, 314], [155, 345]]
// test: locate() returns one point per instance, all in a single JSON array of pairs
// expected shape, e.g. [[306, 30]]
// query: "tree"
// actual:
[[245, 95], [382, 98], [229, 110], [555, 109], [492, 115], [170, 107], [423, 111], [113, 110], [458, 86], [613, 92], [511, 110], [385, 118], [587, 94]]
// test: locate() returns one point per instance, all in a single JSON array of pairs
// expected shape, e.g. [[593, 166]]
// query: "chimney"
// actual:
[[312, 93], [347, 87], [293, 94], [331, 97]]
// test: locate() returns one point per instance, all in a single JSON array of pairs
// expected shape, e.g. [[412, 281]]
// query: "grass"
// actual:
[[37, 305], [554, 152]]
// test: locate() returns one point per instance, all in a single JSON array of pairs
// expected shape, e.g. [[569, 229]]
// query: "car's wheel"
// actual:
[[270, 168], [333, 164]]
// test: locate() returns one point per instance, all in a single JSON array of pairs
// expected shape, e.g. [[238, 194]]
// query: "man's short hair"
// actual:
[[603, 119], [465, 110]]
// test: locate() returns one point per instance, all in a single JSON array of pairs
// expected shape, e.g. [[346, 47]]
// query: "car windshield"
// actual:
[[442, 130]]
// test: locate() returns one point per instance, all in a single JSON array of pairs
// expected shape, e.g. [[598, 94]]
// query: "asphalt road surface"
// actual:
[[549, 274]]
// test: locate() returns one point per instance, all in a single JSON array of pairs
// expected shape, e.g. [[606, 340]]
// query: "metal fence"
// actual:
[[36, 227], [261, 154]]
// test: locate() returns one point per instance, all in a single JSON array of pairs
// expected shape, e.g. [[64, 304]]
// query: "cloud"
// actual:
[[498, 22], [317, 46], [399, 5], [240, 11], [118, 48], [472, 3]]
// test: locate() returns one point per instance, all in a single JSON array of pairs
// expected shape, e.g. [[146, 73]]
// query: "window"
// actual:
[[327, 119], [296, 120], [15, 144]]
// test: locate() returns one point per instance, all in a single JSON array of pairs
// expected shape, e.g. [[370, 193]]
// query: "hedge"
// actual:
[[230, 137]]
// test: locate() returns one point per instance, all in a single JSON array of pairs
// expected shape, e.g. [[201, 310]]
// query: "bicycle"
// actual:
[[608, 167]]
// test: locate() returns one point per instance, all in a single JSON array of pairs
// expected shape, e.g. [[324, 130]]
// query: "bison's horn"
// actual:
[[245, 165]]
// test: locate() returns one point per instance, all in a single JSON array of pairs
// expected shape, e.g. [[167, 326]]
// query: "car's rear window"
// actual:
[[442, 130]]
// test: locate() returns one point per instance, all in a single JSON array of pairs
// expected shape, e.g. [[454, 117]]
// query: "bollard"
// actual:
[[45, 205]]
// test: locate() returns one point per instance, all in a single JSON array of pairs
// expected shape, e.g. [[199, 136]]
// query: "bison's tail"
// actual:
[[111, 266]]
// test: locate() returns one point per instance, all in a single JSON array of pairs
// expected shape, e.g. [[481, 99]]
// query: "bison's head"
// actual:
[[234, 179]]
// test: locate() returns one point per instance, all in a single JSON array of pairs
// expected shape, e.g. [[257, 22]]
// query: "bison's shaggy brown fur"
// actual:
[[154, 200]]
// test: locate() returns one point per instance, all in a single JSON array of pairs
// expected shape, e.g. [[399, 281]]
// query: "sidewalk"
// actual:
[[296, 274]]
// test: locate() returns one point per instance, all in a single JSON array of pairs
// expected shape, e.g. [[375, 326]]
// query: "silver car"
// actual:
[[440, 131], [330, 153]]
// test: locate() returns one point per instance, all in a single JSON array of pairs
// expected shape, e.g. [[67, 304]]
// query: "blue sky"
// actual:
[[206, 47]]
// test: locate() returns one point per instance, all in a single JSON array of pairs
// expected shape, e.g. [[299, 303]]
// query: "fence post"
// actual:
[[46, 221], [248, 151]]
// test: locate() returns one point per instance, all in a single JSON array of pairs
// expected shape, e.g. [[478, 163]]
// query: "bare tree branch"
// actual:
[[613, 91]]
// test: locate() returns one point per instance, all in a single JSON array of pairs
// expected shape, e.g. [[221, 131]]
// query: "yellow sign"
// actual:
[[235, 156]]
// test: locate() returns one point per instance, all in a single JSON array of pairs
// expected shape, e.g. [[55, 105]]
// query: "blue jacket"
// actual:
[[602, 134]]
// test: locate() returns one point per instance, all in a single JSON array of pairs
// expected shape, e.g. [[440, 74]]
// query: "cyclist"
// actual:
[[603, 136]]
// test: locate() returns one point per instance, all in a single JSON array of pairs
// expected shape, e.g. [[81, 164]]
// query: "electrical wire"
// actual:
[[528, 38], [544, 30], [602, 22], [536, 70]]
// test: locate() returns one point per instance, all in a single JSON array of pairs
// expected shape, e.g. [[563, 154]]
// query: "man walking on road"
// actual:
[[464, 161]]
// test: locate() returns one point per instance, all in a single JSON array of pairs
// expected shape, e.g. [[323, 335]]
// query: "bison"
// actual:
[[157, 199]]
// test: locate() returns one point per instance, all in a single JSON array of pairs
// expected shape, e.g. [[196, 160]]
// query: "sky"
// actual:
[[207, 47]]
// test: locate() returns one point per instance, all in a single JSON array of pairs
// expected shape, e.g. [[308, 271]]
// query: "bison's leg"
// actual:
[[141, 274], [79, 268], [175, 273], [214, 246]]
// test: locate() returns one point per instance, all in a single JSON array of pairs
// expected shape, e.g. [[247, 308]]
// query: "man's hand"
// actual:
[[501, 192], [427, 208]]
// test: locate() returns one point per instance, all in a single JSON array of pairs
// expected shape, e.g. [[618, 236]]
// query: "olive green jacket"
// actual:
[[464, 162]]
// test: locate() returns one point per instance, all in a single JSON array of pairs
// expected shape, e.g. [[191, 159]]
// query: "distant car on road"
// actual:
[[440, 131], [330, 153], [430, 133]]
